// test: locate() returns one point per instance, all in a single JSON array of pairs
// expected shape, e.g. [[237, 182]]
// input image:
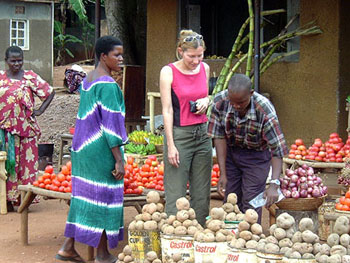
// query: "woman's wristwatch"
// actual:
[[275, 181]]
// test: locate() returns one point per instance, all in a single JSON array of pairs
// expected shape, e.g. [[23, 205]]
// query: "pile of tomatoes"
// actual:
[[150, 175], [333, 150], [215, 175], [344, 202], [60, 182]]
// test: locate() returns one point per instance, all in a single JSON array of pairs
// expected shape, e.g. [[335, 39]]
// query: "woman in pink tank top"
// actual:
[[187, 147]]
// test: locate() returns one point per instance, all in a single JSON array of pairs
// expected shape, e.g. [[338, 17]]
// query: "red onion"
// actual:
[[303, 193], [294, 178], [309, 195], [287, 193], [325, 190], [291, 184], [302, 179], [309, 190], [316, 193], [310, 183], [309, 178], [294, 188], [310, 172], [305, 167], [301, 172], [303, 186], [286, 178], [289, 172], [318, 181], [295, 194]]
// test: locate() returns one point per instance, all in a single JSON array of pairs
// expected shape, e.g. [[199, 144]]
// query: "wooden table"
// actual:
[[29, 192], [64, 140]]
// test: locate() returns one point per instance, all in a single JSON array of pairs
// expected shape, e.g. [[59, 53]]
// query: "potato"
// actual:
[[216, 225], [325, 249], [177, 223], [323, 259], [220, 237], [191, 214], [285, 242], [251, 216], [246, 235], [285, 250], [182, 215], [256, 229], [121, 256], [191, 230], [171, 219], [225, 232], [163, 227], [153, 197], [229, 238], [272, 248], [341, 225], [180, 231], [297, 247], [308, 236], [160, 207], [285, 221], [146, 217], [207, 230], [279, 233], [232, 198], [333, 239], [255, 237], [177, 257], [239, 243], [151, 208], [217, 213], [228, 207], [308, 256], [262, 236], [338, 250], [182, 204], [239, 217], [297, 237], [128, 259], [151, 255], [295, 254], [272, 229], [194, 222], [157, 260], [306, 224], [334, 259], [127, 250], [261, 247], [132, 225], [150, 225], [288, 251], [317, 248], [209, 237], [345, 240], [272, 240], [306, 248], [169, 230], [231, 217], [187, 223], [290, 232], [244, 225], [200, 237], [139, 225], [251, 244], [161, 223]]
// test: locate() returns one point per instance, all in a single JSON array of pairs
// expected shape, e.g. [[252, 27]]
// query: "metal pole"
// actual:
[[97, 22], [257, 10]]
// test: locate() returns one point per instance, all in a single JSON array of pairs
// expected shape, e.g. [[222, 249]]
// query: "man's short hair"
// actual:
[[239, 82]]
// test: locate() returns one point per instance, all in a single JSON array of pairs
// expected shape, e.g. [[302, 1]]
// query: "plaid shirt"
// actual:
[[259, 129]]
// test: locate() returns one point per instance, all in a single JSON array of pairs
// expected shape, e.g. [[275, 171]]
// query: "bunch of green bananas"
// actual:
[[138, 136], [157, 140], [140, 148]]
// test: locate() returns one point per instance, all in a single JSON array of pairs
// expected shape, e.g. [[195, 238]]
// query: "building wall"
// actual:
[[39, 56], [161, 42], [305, 93]]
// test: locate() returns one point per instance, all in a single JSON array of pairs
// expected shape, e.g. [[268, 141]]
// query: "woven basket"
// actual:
[[301, 204]]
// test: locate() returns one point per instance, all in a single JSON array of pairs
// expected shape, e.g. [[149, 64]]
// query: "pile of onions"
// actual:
[[302, 183]]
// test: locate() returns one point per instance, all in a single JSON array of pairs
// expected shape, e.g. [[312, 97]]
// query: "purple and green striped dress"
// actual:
[[97, 197]]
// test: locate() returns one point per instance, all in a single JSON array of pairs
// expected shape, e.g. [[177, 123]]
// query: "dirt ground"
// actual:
[[47, 218]]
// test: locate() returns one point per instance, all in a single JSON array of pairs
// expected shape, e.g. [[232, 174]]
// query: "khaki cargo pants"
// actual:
[[195, 150]]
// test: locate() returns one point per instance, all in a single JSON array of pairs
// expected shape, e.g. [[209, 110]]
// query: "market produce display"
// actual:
[[344, 202], [333, 150], [60, 182], [126, 256], [232, 212], [215, 175], [344, 176], [143, 142], [150, 175], [301, 183]]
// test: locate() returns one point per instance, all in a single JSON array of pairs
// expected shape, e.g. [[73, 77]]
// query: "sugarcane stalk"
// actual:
[[251, 38], [274, 60], [233, 70], [236, 47], [269, 55]]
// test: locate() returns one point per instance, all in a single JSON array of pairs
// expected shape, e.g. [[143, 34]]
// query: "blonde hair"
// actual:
[[184, 45]]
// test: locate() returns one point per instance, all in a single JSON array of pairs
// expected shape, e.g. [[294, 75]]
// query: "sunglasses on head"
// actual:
[[192, 38]]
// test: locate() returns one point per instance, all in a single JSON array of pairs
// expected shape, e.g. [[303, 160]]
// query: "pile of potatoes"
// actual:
[[250, 233], [152, 257], [215, 228], [176, 258], [153, 216], [338, 243], [184, 222], [125, 256], [232, 212]]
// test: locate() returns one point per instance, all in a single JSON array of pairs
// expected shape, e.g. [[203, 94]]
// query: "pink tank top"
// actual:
[[184, 88]]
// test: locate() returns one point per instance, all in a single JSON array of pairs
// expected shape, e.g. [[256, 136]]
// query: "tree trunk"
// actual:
[[126, 19]]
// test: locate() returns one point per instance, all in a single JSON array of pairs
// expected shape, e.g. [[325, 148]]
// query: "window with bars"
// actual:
[[19, 33]]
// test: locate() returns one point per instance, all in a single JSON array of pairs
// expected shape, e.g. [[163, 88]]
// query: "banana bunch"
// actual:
[[138, 137], [155, 139]]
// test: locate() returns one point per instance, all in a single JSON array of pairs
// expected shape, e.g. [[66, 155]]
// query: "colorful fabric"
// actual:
[[9, 148], [186, 88], [259, 129], [97, 197], [17, 103], [16, 109]]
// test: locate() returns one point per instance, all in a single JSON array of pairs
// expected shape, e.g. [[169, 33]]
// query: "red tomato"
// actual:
[[148, 161], [333, 135], [161, 182], [347, 201], [126, 182], [46, 176], [299, 142], [128, 191], [130, 160], [54, 188], [161, 170], [151, 185], [53, 176], [41, 185], [347, 195], [48, 186], [64, 183], [61, 177], [67, 190], [214, 174], [61, 189], [322, 154], [318, 143], [36, 183], [216, 167], [69, 178], [346, 208], [69, 165], [294, 146], [154, 163], [152, 157], [65, 170], [158, 187], [291, 156], [49, 169], [342, 200], [339, 206], [47, 181], [145, 168], [56, 182]]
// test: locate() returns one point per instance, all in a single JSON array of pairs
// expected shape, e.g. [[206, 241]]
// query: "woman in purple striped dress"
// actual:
[[96, 211]]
